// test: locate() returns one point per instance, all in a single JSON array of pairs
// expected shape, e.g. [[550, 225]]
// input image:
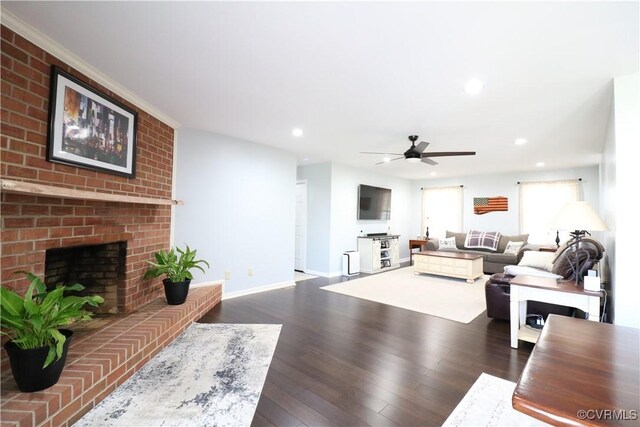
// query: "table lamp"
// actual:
[[578, 216]]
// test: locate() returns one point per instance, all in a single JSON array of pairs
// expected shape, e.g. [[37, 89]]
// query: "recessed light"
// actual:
[[521, 141], [540, 164], [386, 159], [433, 174], [296, 132], [473, 87], [306, 159]]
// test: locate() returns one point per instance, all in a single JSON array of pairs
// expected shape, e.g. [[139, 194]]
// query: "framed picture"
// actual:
[[89, 129]]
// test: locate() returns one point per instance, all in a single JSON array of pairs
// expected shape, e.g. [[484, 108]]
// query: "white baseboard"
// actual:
[[324, 274], [404, 259], [256, 290]]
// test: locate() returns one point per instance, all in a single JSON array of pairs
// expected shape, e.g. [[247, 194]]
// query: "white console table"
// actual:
[[378, 253], [561, 292]]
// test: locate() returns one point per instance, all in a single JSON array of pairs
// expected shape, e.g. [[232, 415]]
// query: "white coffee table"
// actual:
[[449, 264]]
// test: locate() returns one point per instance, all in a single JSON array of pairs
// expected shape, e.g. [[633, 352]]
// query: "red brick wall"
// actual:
[[32, 224]]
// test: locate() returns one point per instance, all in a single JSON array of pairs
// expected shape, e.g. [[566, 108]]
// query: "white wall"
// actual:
[[627, 134], [318, 178], [502, 185], [345, 226], [608, 204], [239, 210], [333, 225]]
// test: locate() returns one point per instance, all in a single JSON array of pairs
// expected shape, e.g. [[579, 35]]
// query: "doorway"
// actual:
[[300, 263]]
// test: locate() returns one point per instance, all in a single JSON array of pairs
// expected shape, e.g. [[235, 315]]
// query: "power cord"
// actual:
[[603, 318]]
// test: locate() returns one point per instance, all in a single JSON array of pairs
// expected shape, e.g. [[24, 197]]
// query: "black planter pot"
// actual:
[[176, 292], [26, 365]]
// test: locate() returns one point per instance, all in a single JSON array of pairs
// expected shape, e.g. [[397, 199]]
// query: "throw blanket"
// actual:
[[482, 240]]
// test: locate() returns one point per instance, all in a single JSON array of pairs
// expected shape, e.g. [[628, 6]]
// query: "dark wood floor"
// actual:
[[346, 361]]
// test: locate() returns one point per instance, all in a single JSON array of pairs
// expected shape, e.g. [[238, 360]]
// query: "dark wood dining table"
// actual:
[[582, 373]]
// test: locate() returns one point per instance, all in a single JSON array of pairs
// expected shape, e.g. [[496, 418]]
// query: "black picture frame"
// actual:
[[90, 129]]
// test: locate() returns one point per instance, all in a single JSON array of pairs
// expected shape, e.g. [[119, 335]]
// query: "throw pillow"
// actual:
[[459, 238], [504, 239], [482, 240], [515, 270], [537, 259], [448, 244], [513, 248]]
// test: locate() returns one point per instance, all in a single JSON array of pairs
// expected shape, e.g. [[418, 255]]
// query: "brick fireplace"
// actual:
[[100, 268], [66, 223], [33, 224]]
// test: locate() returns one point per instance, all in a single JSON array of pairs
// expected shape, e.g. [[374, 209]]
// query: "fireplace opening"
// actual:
[[99, 268]]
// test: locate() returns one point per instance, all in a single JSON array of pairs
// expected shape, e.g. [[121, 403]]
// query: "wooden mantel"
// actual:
[[20, 187]]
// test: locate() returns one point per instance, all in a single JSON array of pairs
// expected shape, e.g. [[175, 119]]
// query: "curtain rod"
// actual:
[[461, 186], [579, 179]]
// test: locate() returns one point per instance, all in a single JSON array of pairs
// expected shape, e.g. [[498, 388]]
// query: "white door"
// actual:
[[301, 227]]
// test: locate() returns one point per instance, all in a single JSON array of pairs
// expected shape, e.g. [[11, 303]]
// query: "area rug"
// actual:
[[452, 299], [211, 375], [488, 403]]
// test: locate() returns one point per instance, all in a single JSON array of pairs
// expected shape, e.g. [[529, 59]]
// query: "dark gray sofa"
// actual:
[[493, 262]]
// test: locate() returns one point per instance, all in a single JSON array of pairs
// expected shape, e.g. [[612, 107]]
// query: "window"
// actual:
[[441, 210], [539, 202]]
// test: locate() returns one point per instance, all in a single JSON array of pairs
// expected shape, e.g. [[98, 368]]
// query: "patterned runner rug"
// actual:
[[488, 403], [211, 375]]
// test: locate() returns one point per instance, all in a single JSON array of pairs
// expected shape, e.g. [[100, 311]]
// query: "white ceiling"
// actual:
[[362, 76]]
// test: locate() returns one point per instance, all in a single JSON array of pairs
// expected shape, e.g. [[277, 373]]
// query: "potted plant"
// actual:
[[177, 269], [38, 343]]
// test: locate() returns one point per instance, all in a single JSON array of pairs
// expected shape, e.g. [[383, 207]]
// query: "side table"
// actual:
[[416, 243], [562, 292]]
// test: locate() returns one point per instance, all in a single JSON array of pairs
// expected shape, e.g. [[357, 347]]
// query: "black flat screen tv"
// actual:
[[374, 203]]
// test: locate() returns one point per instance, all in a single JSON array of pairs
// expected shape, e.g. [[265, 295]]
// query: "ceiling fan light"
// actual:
[[414, 159]]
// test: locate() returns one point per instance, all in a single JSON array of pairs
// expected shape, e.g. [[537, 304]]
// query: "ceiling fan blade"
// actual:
[[448, 153], [429, 161], [397, 158], [372, 152], [420, 147]]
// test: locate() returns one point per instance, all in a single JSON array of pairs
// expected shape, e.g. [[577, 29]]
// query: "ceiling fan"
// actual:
[[416, 153]]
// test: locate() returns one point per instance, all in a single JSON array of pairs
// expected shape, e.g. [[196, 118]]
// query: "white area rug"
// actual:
[[488, 403], [211, 375], [452, 299], [299, 276]]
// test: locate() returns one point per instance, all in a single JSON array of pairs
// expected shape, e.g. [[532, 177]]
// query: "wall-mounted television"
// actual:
[[374, 203]]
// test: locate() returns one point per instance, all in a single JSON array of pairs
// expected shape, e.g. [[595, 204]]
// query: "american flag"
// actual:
[[482, 205]]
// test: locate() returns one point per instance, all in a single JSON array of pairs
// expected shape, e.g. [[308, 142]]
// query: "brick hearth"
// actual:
[[102, 356]]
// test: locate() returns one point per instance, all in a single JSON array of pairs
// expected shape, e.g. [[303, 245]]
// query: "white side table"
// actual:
[[561, 292]]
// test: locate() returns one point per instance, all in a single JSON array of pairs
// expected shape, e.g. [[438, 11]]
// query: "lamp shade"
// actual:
[[577, 216]]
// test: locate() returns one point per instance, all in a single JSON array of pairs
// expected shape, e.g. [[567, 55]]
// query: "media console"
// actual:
[[378, 253]]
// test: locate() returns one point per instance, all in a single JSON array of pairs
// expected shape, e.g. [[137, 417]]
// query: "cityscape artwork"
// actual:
[[89, 129]]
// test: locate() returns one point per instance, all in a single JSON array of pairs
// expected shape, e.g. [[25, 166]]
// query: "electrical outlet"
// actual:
[[227, 275], [250, 271]]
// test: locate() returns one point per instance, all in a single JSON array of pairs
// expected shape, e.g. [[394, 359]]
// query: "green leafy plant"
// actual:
[[175, 266], [34, 320]]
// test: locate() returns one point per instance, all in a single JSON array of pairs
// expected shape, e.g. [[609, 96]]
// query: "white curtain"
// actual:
[[441, 210], [539, 202]]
